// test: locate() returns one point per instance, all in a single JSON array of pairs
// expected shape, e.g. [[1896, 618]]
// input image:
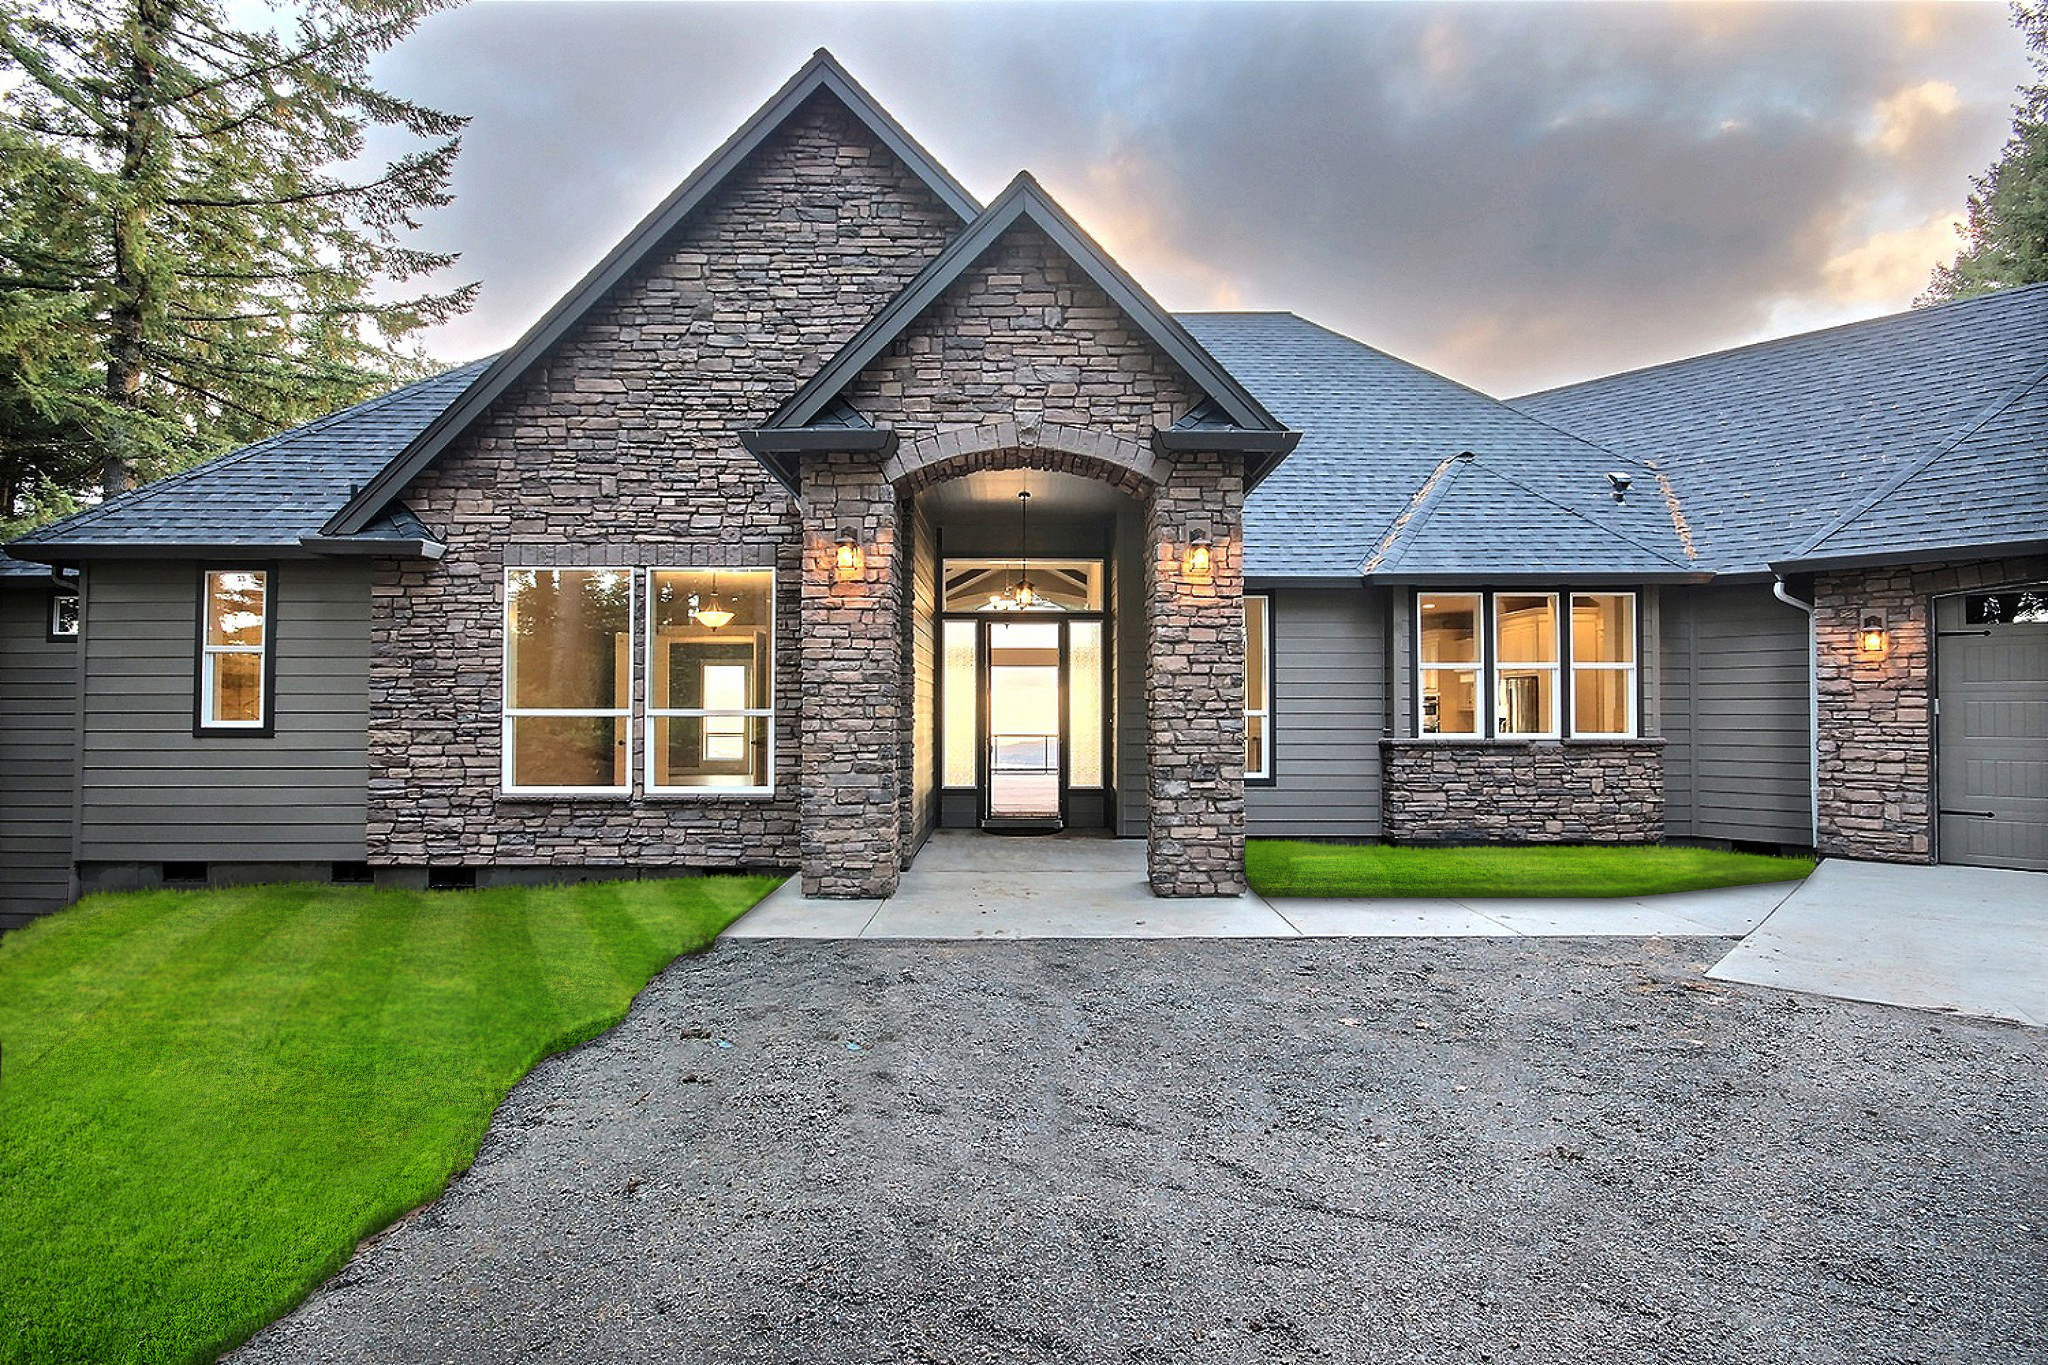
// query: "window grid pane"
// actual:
[[710, 679], [1258, 660], [568, 679], [1604, 664], [232, 648]]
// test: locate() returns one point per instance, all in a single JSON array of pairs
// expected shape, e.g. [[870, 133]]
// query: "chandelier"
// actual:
[[1020, 596]]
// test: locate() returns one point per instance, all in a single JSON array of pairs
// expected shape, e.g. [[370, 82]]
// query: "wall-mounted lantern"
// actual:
[[1873, 636], [1194, 561], [848, 559]]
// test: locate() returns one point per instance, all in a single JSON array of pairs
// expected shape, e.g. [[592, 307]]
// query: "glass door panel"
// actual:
[[1084, 703], [1024, 731]]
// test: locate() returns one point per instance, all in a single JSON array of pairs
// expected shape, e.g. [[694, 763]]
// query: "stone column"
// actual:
[[853, 707], [1194, 679]]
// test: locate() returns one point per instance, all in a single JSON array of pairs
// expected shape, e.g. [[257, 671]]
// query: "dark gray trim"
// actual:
[[1025, 201], [268, 729], [821, 72], [1544, 579], [409, 547], [779, 451], [1917, 554], [1262, 450]]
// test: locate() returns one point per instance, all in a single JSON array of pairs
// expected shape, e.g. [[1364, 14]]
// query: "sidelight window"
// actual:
[[1258, 685]]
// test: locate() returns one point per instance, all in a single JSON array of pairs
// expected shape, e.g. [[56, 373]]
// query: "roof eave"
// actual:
[[781, 451], [1917, 554], [1531, 578]]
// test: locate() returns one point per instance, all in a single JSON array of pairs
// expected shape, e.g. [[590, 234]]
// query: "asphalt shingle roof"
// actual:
[[1770, 446], [1375, 428], [1989, 487], [271, 493]]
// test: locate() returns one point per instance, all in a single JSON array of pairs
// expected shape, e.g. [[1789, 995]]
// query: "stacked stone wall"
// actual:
[[620, 447], [1543, 791], [1875, 796]]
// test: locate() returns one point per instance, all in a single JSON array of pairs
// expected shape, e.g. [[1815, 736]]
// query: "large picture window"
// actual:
[[234, 651], [1258, 687], [568, 679], [1509, 665], [711, 680]]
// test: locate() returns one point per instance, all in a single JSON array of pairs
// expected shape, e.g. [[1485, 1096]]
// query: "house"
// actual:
[[833, 507]]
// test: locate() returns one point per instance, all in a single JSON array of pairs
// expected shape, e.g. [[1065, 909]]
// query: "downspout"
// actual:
[[1812, 708]]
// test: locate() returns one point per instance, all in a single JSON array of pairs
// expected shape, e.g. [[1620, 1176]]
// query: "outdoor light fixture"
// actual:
[[849, 555], [713, 616], [1021, 596], [1196, 561], [1872, 634]]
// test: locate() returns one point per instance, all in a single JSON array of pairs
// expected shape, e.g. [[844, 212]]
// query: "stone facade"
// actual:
[[621, 448], [855, 705], [1540, 791], [1194, 680], [1876, 744]]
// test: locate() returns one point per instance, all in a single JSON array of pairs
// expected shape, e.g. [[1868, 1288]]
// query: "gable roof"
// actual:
[[1245, 419], [1377, 429], [1985, 492], [273, 496], [1775, 444], [821, 72]]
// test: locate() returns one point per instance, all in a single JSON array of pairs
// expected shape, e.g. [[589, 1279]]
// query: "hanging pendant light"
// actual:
[[1022, 595], [713, 616]]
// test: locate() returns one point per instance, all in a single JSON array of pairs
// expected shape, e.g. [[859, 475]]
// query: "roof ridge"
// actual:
[[87, 517], [1923, 464], [1421, 504], [1788, 338], [1571, 511]]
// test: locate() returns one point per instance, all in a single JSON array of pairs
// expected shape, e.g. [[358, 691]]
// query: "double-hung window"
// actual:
[[1509, 665], [568, 680], [1603, 663], [711, 680], [1258, 687], [235, 617], [1451, 657], [1525, 665]]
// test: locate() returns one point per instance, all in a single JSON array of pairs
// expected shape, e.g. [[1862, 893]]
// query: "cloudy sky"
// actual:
[[1514, 194]]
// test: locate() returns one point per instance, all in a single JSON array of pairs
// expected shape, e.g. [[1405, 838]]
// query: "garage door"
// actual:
[[1991, 739]]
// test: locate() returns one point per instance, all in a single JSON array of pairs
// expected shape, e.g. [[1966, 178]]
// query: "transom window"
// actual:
[[234, 649], [1491, 665]]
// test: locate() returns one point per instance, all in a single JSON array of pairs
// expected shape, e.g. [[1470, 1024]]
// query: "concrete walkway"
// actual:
[[1973, 940], [966, 885]]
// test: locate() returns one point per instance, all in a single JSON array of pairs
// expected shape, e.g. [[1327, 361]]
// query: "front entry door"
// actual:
[[1026, 736]]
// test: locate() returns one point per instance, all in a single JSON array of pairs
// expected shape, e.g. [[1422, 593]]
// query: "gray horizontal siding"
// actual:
[[38, 715], [151, 791], [1329, 714], [1735, 716]]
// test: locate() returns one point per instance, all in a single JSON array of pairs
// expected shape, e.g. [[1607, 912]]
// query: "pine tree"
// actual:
[[2006, 237], [186, 263]]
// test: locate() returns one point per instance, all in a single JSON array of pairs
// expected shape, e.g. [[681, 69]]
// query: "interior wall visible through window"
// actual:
[[1258, 686], [711, 680], [234, 644]]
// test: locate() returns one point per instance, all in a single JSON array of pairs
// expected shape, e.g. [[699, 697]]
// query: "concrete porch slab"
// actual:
[[1972, 940], [786, 912]]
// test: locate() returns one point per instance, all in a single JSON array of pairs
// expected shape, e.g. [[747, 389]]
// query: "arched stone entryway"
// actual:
[[856, 709]]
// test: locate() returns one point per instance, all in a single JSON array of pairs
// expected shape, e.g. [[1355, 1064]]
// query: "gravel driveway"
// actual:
[[1386, 1150]]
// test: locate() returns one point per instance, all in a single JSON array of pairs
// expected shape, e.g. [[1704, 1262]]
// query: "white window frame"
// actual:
[[1497, 674], [58, 600], [1482, 701], [510, 713], [209, 652], [1264, 646], [1635, 638], [650, 713]]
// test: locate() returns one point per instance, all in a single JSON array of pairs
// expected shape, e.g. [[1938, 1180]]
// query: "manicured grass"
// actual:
[[1282, 867], [207, 1098]]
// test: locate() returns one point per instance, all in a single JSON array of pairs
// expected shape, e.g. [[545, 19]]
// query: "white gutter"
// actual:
[[1812, 707]]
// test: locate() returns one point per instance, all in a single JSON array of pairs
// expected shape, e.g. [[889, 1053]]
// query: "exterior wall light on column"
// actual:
[[848, 560], [1873, 636], [1194, 562]]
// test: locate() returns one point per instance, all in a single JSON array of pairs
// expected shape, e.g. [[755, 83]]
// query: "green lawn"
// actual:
[[207, 1098], [1283, 867]]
